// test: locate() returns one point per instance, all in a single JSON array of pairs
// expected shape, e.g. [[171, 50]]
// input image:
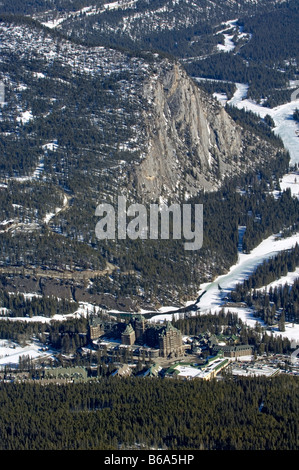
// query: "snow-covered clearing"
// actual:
[[285, 126], [228, 45], [289, 181], [237, 34], [289, 279], [11, 352], [245, 266], [213, 298], [54, 23], [25, 117]]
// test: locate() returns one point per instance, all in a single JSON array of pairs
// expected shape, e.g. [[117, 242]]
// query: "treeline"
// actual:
[[262, 221], [68, 336], [167, 414], [277, 97], [277, 305], [252, 122], [230, 67], [272, 269], [274, 304], [223, 322], [21, 306], [228, 323], [65, 336], [210, 86]]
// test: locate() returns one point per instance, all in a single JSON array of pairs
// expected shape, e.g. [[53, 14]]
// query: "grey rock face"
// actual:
[[192, 142]]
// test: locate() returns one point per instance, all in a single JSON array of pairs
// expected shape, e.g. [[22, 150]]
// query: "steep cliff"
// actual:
[[192, 142]]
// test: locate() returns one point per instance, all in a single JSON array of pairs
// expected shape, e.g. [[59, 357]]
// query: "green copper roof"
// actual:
[[128, 330]]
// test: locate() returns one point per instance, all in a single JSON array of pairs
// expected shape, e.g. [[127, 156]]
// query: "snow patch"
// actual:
[[25, 117]]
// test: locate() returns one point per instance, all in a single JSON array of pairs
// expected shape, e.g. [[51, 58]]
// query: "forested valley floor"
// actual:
[[126, 413]]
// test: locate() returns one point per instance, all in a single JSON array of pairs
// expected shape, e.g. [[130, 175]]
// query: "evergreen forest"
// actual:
[[169, 414]]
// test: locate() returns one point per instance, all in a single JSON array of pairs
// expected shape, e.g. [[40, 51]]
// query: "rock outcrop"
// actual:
[[192, 142]]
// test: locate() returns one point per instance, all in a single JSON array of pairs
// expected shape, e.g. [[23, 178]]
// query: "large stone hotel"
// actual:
[[166, 338]]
